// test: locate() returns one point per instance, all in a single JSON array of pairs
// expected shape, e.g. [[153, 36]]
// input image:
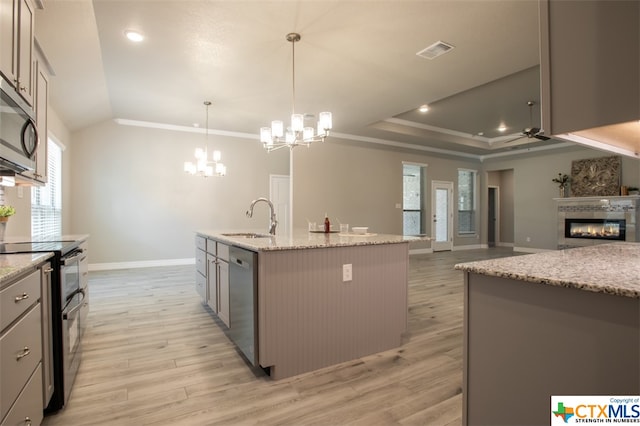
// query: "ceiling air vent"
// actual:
[[436, 49]]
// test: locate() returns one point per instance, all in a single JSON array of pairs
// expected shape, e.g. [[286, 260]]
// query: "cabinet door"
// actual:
[[25, 50], [212, 282], [47, 334], [42, 99], [223, 288], [8, 41]]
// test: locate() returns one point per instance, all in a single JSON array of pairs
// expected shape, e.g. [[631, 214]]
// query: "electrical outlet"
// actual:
[[347, 272], [20, 192], [528, 239], [398, 206]]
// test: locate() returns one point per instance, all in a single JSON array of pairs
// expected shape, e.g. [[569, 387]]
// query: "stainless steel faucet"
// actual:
[[274, 222]]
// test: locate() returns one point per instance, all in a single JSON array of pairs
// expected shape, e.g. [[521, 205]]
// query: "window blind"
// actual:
[[46, 201]]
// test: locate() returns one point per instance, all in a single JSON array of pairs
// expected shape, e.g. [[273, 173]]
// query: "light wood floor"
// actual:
[[153, 355]]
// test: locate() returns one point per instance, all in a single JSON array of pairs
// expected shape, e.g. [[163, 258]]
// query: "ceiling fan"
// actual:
[[530, 132]]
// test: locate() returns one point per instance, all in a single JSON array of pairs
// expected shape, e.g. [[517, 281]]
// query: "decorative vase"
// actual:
[[562, 191], [3, 227]]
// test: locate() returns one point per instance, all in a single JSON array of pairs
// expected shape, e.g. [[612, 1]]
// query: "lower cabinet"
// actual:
[[27, 409], [223, 288], [21, 388], [212, 276], [212, 282], [47, 334]]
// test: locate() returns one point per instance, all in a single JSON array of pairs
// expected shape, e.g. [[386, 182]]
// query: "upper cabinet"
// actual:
[[590, 73], [16, 45]]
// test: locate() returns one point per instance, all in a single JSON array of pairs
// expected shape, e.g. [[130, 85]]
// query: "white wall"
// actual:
[[130, 193]]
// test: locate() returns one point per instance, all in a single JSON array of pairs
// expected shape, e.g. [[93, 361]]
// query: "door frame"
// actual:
[[284, 224], [442, 245], [496, 207]]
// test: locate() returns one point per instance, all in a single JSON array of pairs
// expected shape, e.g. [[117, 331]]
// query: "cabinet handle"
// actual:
[[27, 421], [21, 297], [26, 351], [48, 270]]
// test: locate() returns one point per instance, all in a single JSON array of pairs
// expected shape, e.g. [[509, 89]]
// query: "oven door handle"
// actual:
[[71, 259], [71, 313], [71, 296]]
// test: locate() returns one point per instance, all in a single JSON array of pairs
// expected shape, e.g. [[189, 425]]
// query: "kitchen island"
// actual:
[[321, 299], [565, 322]]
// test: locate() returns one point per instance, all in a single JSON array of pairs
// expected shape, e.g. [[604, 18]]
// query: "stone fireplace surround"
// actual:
[[625, 208]]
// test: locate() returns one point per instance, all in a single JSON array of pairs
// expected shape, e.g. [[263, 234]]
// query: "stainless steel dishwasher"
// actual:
[[243, 301]]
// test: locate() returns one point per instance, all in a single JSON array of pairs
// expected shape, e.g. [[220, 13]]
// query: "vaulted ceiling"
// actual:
[[356, 59]]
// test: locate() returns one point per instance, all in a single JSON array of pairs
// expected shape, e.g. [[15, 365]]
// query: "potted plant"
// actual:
[[562, 180], [6, 212]]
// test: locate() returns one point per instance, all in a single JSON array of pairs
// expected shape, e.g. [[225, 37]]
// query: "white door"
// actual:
[[442, 216], [279, 192]]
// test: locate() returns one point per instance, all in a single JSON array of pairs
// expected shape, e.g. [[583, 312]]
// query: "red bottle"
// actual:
[[327, 224]]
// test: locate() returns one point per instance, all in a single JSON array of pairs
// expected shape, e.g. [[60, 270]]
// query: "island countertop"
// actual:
[[606, 268], [12, 265], [303, 240]]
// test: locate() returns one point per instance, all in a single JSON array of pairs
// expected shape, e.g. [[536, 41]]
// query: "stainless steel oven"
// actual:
[[72, 301], [18, 132]]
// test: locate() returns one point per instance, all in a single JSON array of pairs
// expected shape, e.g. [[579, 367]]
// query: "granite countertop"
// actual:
[[67, 237], [304, 240], [606, 268], [12, 265]]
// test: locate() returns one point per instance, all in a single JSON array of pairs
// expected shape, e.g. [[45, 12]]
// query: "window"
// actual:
[[46, 201], [413, 199], [467, 201]]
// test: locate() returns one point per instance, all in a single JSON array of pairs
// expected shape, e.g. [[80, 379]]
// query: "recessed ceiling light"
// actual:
[[502, 128], [424, 108], [134, 36]]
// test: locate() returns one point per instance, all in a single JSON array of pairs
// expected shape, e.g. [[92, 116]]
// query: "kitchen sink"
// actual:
[[247, 235]]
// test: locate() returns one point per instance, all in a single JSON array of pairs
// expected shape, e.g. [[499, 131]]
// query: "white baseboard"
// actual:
[[504, 244], [420, 251], [469, 247], [530, 250], [140, 264]]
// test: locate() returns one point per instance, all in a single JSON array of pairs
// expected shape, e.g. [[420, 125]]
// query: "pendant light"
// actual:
[[205, 166], [276, 136]]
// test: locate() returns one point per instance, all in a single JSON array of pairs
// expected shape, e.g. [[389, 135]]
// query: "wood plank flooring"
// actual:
[[154, 355]]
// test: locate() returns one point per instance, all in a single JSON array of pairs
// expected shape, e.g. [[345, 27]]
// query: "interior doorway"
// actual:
[[442, 216], [493, 216], [279, 194]]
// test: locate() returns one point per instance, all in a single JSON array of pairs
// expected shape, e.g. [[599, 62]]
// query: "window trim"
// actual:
[[474, 205]]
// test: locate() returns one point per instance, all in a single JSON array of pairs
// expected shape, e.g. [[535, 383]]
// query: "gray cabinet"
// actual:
[[47, 334], [218, 279], [21, 351], [590, 63], [16, 45], [212, 275], [201, 268]]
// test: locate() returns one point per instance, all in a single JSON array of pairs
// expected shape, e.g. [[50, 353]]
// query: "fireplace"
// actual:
[[585, 221], [595, 229]]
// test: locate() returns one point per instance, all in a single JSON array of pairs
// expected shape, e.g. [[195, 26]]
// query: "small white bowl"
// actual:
[[360, 229]]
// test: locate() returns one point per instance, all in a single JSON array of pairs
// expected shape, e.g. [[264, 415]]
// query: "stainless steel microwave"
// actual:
[[18, 132]]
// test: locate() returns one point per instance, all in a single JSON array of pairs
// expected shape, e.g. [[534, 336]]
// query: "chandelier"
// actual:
[[276, 136], [204, 166]]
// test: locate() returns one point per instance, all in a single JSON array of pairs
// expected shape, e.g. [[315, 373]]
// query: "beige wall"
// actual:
[[361, 185], [533, 205], [129, 190]]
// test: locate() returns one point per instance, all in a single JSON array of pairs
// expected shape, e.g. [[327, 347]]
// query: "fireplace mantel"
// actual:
[[613, 198]]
